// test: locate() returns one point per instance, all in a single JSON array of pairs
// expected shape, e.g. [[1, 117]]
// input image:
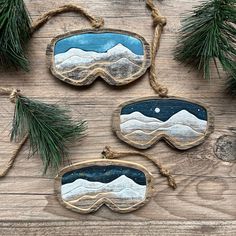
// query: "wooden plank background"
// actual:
[[205, 201]]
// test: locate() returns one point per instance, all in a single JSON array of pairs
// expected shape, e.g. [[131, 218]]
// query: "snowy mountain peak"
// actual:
[[185, 116], [75, 57], [120, 48], [138, 116], [82, 187]]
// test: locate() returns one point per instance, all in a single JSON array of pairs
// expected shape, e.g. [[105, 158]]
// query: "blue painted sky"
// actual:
[[104, 174], [98, 42], [163, 109]]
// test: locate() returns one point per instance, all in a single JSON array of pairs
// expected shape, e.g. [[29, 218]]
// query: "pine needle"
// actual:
[[14, 33], [50, 130], [209, 35]]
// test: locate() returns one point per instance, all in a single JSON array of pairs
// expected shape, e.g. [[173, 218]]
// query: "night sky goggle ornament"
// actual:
[[120, 185], [143, 122]]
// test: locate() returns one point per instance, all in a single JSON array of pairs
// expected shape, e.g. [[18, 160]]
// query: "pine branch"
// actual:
[[14, 33], [209, 35], [50, 130]]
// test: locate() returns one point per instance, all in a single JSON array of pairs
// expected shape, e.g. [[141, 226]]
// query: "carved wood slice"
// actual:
[[181, 122], [117, 56], [120, 185]]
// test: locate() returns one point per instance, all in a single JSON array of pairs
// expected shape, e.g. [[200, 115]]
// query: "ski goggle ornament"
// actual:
[[117, 56], [120, 185], [143, 122]]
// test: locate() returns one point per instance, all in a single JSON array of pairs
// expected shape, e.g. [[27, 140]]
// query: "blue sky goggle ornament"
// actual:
[[117, 56]]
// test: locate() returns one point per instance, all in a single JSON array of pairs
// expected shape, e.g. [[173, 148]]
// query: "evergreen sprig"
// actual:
[[14, 33], [50, 130], [209, 35]]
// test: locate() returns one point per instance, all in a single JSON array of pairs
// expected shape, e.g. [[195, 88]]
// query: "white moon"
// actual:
[[157, 110]]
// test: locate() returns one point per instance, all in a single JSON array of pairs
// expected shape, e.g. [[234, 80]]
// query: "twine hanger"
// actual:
[[109, 154], [158, 23], [96, 22]]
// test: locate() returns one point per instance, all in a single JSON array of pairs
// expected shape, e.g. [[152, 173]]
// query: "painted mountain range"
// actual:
[[181, 126], [121, 185], [119, 62], [181, 121], [118, 55]]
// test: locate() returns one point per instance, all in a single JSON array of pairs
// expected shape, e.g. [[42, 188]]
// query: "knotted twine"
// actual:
[[109, 154]]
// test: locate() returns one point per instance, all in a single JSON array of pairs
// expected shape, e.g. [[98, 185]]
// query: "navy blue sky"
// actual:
[[163, 109], [104, 174], [98, 42]]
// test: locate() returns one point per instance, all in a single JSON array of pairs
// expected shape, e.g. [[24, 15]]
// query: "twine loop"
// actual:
[[109, 154], [12, 93], [95, 22], [159, 22]]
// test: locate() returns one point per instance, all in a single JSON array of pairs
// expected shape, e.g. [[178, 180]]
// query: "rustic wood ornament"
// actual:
[[120, 185], [117, 56], [181, 122]]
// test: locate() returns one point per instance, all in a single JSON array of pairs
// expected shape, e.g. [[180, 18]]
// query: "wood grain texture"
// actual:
[[205, 200]]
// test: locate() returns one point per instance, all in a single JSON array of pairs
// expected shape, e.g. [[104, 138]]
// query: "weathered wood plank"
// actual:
[[197, 228]]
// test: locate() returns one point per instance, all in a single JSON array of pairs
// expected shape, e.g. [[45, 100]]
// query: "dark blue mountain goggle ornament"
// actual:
[[143, 122], [122, 186]]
